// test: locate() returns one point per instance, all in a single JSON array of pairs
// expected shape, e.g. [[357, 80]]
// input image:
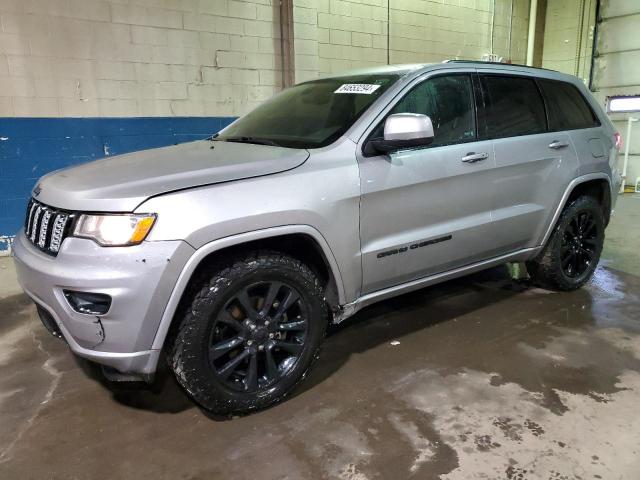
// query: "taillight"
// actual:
[[617, 138]]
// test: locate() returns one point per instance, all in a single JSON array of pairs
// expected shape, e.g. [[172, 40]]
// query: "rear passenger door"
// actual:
[[533, 165], [569, 111]]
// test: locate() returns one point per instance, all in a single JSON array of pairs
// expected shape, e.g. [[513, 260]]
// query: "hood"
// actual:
[[121, 183]]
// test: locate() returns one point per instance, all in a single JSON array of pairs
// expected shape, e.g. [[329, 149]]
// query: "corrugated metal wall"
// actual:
[[617, 66]]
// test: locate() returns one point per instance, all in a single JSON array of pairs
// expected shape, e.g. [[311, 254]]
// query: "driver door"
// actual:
[[428, 210]]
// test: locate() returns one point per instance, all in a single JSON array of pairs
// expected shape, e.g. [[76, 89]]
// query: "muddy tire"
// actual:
[[249, 333], [573, 250]]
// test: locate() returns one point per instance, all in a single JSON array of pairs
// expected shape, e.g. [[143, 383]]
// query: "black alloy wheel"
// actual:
[[579, 244], [258, 336], [249, 330], [571, 255]]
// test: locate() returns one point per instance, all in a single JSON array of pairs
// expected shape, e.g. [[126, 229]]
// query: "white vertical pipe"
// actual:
[[531, 38], [627, 144]]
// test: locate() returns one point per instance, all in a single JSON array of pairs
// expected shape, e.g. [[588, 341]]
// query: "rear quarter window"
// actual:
[[566, 107], [513, 106]]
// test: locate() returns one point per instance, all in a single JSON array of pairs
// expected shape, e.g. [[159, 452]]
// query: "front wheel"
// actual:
[[573, 251], [250, 334]]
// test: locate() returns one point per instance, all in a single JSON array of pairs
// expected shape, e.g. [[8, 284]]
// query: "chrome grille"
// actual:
[[47, 227]]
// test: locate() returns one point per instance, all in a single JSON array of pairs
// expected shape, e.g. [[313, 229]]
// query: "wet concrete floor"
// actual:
[[491, 379]]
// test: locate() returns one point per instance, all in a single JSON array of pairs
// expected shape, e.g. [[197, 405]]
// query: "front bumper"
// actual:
[[139, 279]]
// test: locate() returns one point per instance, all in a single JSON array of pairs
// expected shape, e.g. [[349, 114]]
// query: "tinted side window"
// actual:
[[448, 101], [566, 107], [513, 106]]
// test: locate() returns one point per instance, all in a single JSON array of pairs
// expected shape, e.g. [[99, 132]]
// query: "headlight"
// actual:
[[115, 230]]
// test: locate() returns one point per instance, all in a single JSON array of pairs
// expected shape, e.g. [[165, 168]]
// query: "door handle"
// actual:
[[473, 157], [557, 144]]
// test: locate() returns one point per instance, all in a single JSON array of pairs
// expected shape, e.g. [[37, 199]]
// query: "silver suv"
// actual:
[[231, 255]]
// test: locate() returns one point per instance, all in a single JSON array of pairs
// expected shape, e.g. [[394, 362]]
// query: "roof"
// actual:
[[383, 69], [500, 64], [403, 69], [419, 68]]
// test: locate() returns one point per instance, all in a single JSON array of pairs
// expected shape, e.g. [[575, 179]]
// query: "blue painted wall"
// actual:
[[31, 147]]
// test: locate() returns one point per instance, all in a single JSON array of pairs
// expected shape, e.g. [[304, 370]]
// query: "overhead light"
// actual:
[[630, 103]]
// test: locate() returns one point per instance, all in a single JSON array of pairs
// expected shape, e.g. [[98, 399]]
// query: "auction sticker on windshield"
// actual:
[[364, 88]]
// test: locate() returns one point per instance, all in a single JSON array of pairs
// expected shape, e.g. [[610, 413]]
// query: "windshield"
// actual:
[[309, 115]]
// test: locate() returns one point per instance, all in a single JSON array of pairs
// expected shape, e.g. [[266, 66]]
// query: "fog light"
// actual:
[[88, 303]]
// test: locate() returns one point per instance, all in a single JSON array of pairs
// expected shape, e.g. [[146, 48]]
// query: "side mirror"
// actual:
[[404, 130]]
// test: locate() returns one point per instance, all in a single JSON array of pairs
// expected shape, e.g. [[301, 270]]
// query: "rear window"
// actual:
[[513, 107], [566, 107]]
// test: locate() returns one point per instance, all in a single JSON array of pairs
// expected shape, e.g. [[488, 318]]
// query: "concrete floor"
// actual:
[[491, 379]]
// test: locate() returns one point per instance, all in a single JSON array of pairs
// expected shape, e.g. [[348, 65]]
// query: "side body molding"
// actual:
[[239, 239], [574, 183]]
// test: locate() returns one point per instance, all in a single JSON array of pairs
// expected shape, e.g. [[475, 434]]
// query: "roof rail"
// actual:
[[482, 62]]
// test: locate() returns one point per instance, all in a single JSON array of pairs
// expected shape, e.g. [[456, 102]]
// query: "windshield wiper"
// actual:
[[254, 140]]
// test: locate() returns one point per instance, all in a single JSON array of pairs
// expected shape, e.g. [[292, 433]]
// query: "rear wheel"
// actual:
[[250, 334], [573, 251]]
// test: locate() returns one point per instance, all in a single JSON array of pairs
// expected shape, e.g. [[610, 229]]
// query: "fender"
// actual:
[[574, 183], [216, 245]]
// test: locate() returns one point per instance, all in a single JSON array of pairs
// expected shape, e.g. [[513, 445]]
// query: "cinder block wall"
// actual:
[[123, 58], [82, 79], [337, 35], [99, 58]]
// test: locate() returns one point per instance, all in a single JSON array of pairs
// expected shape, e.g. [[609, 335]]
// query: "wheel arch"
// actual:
[[600, 189], [301, 241], [594, 184]]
